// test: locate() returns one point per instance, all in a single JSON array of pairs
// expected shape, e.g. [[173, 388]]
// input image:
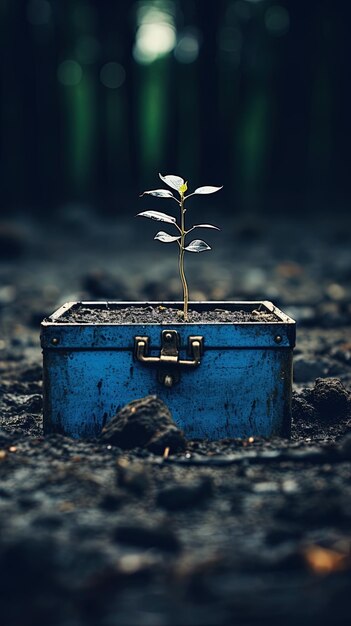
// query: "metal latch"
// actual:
[[169, 362]]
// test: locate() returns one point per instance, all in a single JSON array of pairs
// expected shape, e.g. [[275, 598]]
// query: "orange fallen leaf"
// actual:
[[325, 560]]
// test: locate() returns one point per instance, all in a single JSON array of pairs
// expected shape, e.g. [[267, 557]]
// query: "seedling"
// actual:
[[196, 245]]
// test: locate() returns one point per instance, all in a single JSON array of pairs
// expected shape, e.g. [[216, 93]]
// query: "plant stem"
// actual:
[[181, 260]]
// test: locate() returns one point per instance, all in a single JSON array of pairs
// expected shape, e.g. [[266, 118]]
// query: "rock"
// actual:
[[302, 410], [145, 422], [306, 393], [170, 437], [185, 496], [146, 536], [33, 404], [331, 398]]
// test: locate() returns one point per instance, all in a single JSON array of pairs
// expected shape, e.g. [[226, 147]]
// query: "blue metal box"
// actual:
[[218, 379]]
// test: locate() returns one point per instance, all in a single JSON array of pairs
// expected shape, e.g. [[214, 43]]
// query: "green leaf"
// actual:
[[183, 189], [206, 226], [159, 217], [197, 245], [159, 193], [165, 237], [206, 189], [172, 181]]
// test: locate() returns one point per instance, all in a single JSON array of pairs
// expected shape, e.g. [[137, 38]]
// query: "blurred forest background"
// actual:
[[97, 97]]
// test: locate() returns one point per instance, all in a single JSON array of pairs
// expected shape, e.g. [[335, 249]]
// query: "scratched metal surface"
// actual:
[[242, 386]]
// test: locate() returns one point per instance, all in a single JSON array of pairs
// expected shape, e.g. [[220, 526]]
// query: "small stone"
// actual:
[[185, 496], [331, 398]]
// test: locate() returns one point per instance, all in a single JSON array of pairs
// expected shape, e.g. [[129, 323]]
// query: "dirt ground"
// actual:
[[225, 532]]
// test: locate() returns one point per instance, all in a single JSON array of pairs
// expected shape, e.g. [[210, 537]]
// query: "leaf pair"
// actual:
[[178, 183], [197, 245]]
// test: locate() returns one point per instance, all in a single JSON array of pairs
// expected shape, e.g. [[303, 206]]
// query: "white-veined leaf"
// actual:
[[159, 193], [206, 226], [197, 245], [165, 237], [159, 217], [172, 181], [206, 189]]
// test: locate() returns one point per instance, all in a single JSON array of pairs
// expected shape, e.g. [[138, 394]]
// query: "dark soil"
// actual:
[[163, 315], [99, 533]]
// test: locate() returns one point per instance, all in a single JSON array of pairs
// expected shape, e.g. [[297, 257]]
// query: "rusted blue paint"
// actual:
[[241, 388]]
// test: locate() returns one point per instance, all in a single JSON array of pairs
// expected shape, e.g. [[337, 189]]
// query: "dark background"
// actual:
[[97, 97]]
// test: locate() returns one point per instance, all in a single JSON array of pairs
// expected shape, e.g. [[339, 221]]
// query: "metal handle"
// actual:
[[170, 350], [195, 348]]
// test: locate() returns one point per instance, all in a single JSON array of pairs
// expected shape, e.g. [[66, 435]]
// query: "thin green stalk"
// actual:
[[181, 260]]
